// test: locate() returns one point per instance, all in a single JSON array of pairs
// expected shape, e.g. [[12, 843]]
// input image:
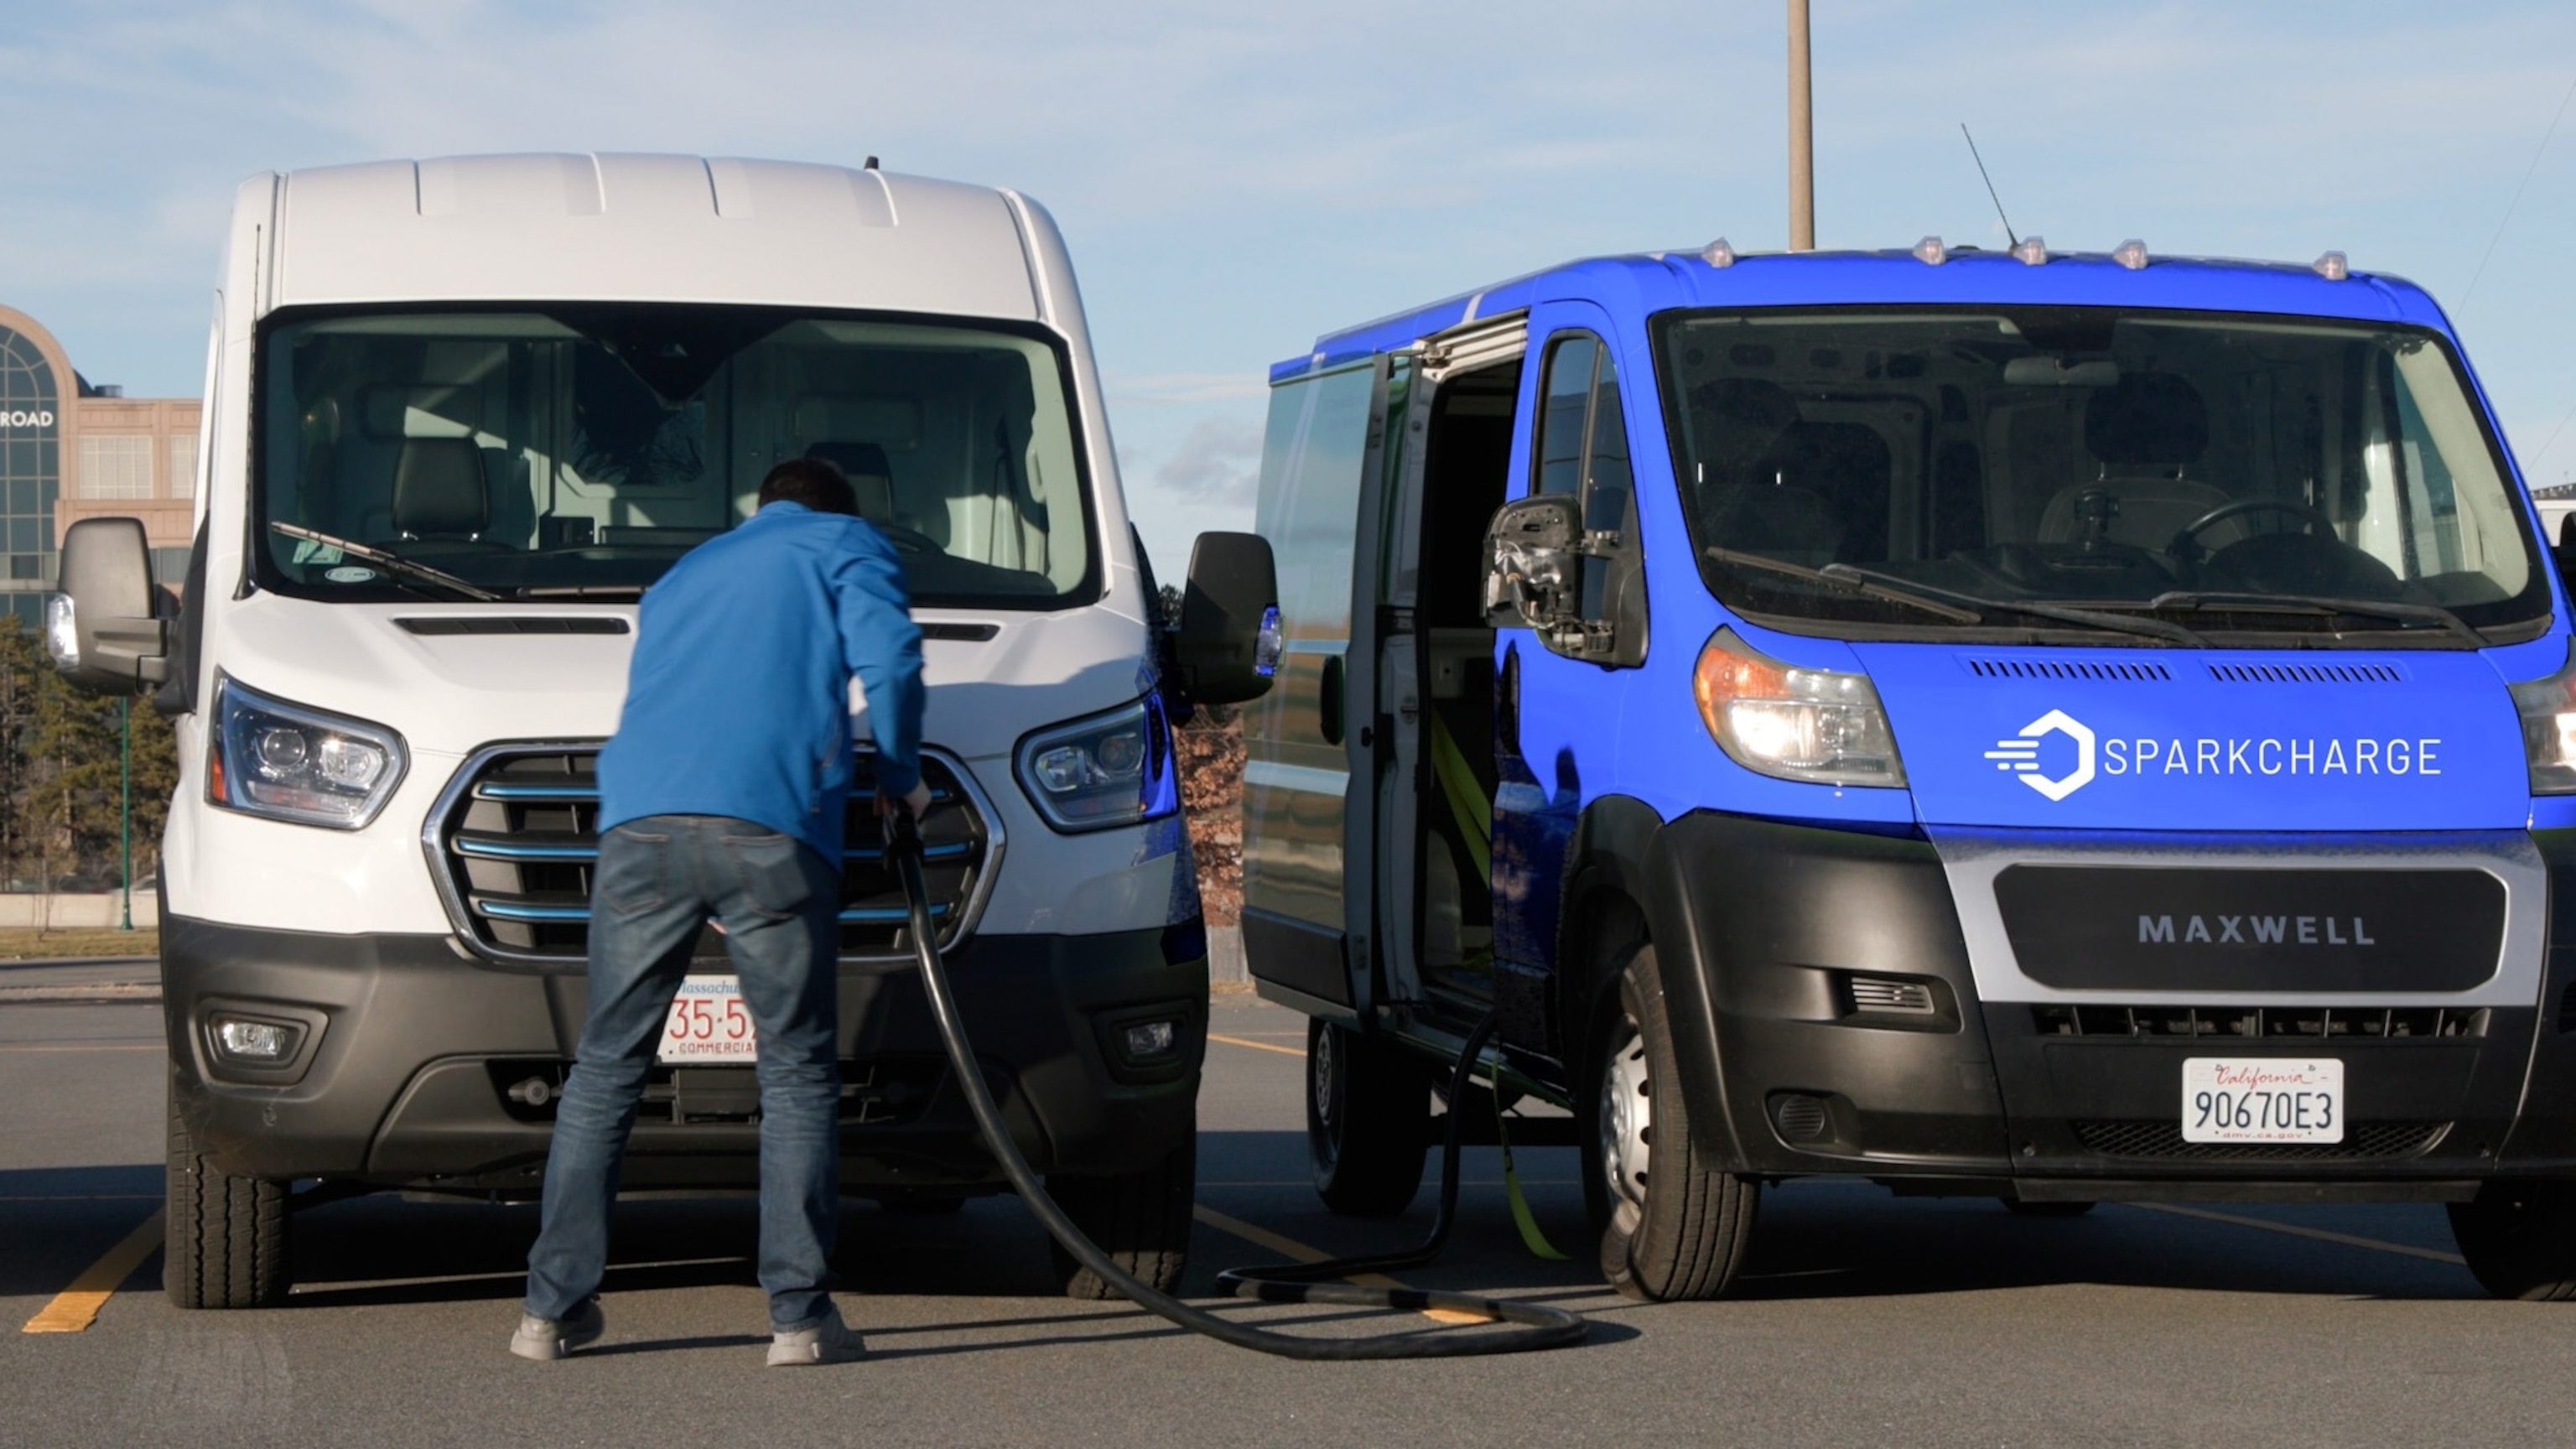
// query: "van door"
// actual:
[[1448, 465], [1557, 719], [1311, 744]]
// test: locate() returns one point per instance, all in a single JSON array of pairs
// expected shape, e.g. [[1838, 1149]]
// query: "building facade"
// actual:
[[70, 450]]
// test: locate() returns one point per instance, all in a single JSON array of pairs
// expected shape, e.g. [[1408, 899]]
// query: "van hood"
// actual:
[[2204, 740], [991, 677]]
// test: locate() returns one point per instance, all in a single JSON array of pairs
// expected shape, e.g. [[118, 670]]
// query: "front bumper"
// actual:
[[403, 1074], [1761, 928]]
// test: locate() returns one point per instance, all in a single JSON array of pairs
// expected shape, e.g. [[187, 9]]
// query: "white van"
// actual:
[[460, 415]]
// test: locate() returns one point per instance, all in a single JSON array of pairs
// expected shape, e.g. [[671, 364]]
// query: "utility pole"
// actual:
[[125, 805], [1802, 136]]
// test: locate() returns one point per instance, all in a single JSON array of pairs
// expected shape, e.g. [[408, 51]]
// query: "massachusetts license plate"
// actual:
[[2262, 1099], [709, 1023]]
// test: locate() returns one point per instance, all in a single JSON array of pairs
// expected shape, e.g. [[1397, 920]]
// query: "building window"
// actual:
[[183, 465], [116, 465]]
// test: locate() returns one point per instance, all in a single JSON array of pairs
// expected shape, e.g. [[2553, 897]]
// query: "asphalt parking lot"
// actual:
[[1867, 1319]]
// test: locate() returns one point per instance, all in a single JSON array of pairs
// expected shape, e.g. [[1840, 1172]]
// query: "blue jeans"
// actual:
[[658, 881]]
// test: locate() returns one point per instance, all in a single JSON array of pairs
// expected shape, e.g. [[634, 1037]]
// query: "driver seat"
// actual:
[[2146, 432]]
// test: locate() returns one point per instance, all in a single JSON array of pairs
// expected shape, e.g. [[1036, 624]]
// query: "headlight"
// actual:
[[1110, 769], [291, 763], [1817, 725], [2548, 708]]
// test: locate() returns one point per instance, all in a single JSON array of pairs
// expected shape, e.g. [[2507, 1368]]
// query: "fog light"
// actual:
[[246, 1039], [1151, 1039]]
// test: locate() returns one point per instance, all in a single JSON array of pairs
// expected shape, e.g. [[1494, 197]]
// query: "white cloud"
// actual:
[[1217, 461]]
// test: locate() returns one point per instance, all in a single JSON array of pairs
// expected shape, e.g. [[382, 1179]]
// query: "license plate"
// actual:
[[709, 1022], [2262, 1099]]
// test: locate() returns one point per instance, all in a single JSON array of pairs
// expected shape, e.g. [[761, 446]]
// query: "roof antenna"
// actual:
[[1990, 186]]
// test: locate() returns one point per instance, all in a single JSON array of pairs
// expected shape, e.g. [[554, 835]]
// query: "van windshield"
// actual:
[[580, 451], [1934, 469]]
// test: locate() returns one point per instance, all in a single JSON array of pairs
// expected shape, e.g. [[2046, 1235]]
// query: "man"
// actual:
[[721, 796]]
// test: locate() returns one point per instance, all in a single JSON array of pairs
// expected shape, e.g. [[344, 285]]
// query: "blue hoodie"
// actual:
[[737, 699]]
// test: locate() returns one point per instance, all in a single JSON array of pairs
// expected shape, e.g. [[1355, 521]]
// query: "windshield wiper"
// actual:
[[390, 563], [2114, 623], [2322, 604], [1850, 579]]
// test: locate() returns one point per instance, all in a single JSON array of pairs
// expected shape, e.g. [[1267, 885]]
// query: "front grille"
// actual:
[[2310, 1023], [2161, 1139], [878, 1092], [517, 836]]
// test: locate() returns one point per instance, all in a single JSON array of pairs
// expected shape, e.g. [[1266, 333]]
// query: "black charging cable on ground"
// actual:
[[1542, 1326]]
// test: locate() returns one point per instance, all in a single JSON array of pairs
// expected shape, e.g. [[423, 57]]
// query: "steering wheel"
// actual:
[[2186, 541]]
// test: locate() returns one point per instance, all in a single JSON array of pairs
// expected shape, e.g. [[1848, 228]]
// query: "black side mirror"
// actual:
[[1228, 644], [103, 630], [1532, 576]]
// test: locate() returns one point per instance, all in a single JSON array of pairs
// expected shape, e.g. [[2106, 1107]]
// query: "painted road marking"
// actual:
[[1259, 1046], [2294, 1230], [76, 1308]]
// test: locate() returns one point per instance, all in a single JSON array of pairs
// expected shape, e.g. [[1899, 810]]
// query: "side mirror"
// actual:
[[103, 629], [1228, 644], [1532, 573]]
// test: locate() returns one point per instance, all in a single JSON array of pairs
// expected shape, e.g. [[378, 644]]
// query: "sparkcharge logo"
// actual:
[[2018, 756]]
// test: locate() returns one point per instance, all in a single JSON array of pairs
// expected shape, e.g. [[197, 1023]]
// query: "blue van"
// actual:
[[2052, 727]]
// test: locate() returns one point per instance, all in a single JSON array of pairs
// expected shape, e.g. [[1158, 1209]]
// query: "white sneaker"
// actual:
[[544, 1339], [830, 1341]]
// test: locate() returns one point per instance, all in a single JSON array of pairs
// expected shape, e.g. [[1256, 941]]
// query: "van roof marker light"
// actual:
[[1718, 254], [2131, 254], [1930, 252], [2030, 251], [2332, 267]]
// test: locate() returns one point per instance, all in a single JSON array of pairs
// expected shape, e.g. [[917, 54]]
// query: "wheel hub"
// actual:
[[1627, 1122]]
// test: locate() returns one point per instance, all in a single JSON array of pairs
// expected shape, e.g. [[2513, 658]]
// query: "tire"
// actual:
[[1142, 1221], [224, 1243], [1368, 1120], [1673, 1225], [2520, 1239], [2021, 1209]]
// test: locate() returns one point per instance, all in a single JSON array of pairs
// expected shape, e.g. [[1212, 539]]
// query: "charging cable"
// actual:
[[1541, 1326]]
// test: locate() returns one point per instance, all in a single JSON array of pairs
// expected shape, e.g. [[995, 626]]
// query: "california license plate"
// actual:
[[709, 1022], [2262, 1099]]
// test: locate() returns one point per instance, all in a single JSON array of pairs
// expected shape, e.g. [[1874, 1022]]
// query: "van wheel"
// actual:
[[2520, 1239], [1673, 1226], [1141, 1220], [224, 1243], [1368, 1120]]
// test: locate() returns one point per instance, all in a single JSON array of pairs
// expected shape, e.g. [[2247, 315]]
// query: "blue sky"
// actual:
[[1235, 180]]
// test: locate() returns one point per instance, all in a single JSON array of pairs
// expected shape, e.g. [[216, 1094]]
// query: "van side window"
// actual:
[[1582, 449]]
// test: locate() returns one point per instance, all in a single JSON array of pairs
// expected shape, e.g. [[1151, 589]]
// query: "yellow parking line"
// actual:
[[2294, 1230], [1289, 1248], [1259, 1046], [76, 1307]]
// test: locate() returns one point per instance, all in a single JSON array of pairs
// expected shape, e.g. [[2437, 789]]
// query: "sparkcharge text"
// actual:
[[2271, 757]]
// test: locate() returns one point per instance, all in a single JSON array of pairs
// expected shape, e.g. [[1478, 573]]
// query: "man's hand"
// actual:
[[915, 804]]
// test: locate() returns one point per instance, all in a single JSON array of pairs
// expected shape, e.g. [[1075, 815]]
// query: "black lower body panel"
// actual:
[[1783, 948], [403, 1076]]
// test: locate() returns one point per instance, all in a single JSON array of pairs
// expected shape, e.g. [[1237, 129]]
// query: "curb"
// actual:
[[114, 993]]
